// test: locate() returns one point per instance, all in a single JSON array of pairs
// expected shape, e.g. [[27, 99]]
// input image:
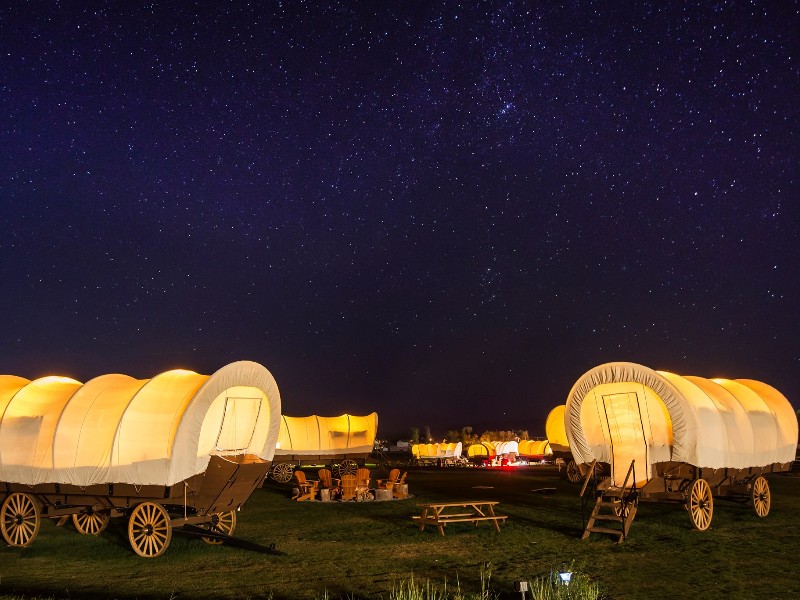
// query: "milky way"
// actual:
[[443, 213]]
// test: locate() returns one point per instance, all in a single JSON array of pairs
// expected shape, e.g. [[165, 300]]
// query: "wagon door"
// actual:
[[623, 415]]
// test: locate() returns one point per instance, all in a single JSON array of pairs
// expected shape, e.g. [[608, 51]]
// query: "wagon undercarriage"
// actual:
[[208, 500], [693, 487]]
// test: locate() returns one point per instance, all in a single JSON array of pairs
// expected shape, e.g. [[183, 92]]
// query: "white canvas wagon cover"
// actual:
[[444, 450], [327, 436], [657, 416], [117, 429]]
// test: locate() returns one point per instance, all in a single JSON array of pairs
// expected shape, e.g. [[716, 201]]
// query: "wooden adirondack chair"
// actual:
[[363, 491], [307, 487], [327, 482], [399, 489], [348, 487], [388, 484]]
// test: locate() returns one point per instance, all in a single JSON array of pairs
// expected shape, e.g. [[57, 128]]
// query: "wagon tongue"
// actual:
[[195, 531]]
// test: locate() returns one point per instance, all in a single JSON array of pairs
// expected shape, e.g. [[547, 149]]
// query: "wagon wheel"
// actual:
[[573, 472], [761, 496], [348, 467], [220, 523], [700, 504], [599, 473], [622, 509], [149, 529], [91, 522], [19, 519], [282, 472]]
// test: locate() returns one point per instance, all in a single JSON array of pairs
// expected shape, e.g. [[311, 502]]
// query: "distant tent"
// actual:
[[326, 437], [117, 429], [619, 412], [556, 431]]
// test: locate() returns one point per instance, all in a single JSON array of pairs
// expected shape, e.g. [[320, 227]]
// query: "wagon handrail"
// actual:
[[628, 475], [589, 475]]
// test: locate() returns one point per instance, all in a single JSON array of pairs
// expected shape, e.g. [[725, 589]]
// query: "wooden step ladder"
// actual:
[[614, 509]]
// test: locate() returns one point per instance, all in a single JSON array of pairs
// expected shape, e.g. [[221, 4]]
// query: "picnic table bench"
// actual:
[[440, 514]]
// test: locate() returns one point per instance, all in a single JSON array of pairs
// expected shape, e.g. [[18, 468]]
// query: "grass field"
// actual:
[[362, 550]]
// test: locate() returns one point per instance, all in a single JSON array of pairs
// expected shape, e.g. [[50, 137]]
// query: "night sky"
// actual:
[[445, 212]]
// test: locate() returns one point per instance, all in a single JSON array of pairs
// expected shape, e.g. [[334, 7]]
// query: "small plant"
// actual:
[[413, 589], [575, 586]]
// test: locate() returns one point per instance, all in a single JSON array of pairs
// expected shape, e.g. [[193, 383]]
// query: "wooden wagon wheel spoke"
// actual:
[[282, 472], [19, 519], [348, 467], [573, 472], [90, 523], [220, 523], [761, 496], [149, 529], [700, 504]]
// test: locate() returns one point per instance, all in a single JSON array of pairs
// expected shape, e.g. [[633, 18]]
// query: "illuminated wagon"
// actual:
[[556, 431], [438, 454], [343, 441], [534, 450], [686, 439], [178, 450]]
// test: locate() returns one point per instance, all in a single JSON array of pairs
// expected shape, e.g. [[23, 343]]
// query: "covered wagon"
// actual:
[[664, 436], [481, 453], [559, 444], [344, 442], [534, 450], [444, 454], [178, 450]]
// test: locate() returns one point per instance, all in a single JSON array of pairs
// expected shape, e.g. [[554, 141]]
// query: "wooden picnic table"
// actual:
[[466, 511]]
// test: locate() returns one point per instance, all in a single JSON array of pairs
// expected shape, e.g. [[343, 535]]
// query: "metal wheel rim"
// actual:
[[90, 523], [701, 504], [149, 530], [220, 523], [761, 496], [282, 472], [19, 519], [348, 467]]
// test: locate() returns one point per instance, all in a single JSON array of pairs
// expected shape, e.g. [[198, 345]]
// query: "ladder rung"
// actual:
[[605, 530], [617, 518]]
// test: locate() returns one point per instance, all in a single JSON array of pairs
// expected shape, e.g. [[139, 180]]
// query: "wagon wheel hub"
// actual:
[[18, 519], [148, 529]]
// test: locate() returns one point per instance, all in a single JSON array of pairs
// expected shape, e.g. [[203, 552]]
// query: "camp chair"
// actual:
[[388, 484], [307, 488], [399, 490], [348, 487], [327, 482], [363, 491]]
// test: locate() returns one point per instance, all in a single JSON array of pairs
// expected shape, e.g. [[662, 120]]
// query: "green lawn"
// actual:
[[360, 550]]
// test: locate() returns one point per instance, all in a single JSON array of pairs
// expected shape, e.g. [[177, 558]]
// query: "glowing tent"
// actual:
[[142, 431], [313, 437], [619, 412]]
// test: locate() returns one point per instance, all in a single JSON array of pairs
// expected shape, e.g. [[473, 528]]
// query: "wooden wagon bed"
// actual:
[[209, 500]]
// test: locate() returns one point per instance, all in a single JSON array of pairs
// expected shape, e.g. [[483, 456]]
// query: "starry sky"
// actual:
[[443, 211]]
